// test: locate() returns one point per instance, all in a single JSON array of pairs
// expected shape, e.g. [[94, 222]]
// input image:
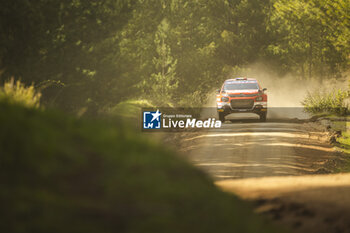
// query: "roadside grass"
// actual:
[[16, 92], [333, 106], [344, 141], [333, 102], [343, 144], [62, 174], [130, 109], [340, 126]]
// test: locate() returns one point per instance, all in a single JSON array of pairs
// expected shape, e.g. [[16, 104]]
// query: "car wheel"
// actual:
[[263, 116], [222, 117]]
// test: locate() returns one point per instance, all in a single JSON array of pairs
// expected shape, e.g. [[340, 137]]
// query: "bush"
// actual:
[[129, 109], [17, 92], [60, 174], [327, 102]]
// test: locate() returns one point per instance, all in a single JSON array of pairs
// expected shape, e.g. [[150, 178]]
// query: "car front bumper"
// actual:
[[258, 107]]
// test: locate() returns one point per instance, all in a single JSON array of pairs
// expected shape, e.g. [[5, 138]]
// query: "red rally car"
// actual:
[[241, 95]]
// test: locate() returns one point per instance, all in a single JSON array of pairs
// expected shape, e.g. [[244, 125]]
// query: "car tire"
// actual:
[[263, 116], [222, 117]]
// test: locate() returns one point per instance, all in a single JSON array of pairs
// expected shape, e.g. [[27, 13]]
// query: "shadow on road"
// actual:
[[254, 120], [248, 148]]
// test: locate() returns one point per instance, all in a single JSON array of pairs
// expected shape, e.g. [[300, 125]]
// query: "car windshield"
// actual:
[[240, 86]]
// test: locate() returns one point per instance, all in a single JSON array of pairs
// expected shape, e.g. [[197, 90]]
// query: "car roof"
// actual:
[[241, 79]]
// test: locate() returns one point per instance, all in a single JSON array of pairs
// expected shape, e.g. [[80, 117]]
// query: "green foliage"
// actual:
[[17, 92], [174, 54], [344, 142], [327, 102], [60, 174], [312, 36], [108, 51], [130, 109], [70, 41], [163, 83]]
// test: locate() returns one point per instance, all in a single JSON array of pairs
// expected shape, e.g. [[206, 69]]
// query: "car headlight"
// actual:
[[224, 99], [259, 98]]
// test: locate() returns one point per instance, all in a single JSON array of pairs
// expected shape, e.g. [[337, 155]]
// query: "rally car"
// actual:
[[241, 95]]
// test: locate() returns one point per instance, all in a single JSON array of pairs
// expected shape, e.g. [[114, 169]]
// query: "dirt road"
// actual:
[[277, 165], [249, 148], [309, 203]]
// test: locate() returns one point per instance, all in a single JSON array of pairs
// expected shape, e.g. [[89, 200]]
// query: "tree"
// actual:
[[163, 82], [73, 42], [306, 32]]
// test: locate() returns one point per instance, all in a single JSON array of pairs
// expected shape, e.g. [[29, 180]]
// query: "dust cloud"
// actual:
[[290, 91], [285, 93]]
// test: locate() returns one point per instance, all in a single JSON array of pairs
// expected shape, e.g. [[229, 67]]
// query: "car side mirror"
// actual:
[[217, 91], [264, 89]]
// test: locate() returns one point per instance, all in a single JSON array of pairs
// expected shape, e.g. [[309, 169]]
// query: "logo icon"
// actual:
[[151, 120]]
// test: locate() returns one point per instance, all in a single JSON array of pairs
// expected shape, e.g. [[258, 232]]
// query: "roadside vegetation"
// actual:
[[88, 56], [17, 93], [333, 106], [130, 109], [113, 57], [327, 103], [345, 142], [62, 174]]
